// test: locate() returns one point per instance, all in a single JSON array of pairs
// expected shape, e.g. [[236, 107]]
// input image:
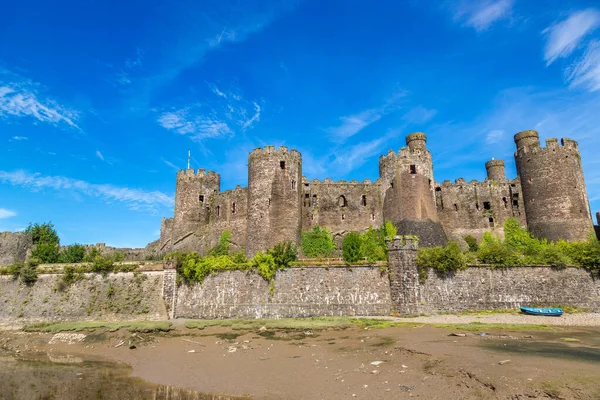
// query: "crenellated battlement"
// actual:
[[270, 150], [405, 242], [200, 173], [329, 181], [529, 142]]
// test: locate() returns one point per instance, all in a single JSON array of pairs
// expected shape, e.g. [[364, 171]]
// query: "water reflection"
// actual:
[[38, 376]]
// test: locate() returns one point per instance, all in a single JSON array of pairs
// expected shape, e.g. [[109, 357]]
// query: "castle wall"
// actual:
[[556, 202], [229, 212], [13, 247], [341, 206], [298, 292], [472, 208]]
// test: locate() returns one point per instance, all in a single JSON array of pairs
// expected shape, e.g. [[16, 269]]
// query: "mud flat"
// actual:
[[372, 359]]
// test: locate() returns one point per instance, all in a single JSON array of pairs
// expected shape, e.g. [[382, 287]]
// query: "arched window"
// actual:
[[342, 201], [218, 211]]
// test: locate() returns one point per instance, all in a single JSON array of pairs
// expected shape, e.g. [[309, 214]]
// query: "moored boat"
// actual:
[[546, 311]]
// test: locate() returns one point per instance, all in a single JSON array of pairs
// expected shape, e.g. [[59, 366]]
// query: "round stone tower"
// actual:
[[554, 192], [274, 198], [495, 170], [407, 187], [192, 194]]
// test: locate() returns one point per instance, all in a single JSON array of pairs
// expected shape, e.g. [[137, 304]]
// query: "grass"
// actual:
[[137, 326], [480, 327], [570, 340], [296, 324]]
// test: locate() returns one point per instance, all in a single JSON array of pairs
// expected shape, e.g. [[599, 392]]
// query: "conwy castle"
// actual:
[[548, 197]]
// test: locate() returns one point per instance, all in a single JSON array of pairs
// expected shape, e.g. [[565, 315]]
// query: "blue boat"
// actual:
[[548, 312]]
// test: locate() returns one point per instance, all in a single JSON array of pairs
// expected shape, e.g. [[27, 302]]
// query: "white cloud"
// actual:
[[4, 213], [135, 199], [495, 136], [20, 97], [198, 127], [353, 124], [419, 115], [170, 164], [255, 118], [585, 72], [20, 138], [563, 37], [99, 155], [481, 14]]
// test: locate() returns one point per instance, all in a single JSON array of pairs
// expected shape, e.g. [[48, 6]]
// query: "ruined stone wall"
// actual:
[[298, 292], [341, 206], [492, 288], [229, 212], [554, 192], [473, 208], [14, 247], [122, 296], [274, 198]]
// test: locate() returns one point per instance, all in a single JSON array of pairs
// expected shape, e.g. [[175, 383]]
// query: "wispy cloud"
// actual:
[[124, 77], [495, 136], [198, 127], [19, 138], [4, 213], [170, 164], [354, 123], [563, 37], [585, 72], [481, 14], [99, 155], [135, 199], [419, 115], [220, 116], [21, 97]]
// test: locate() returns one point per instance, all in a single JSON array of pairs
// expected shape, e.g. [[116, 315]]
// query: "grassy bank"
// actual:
[[136, 326]]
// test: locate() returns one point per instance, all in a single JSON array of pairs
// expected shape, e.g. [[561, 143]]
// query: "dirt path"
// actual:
[[390, 363]]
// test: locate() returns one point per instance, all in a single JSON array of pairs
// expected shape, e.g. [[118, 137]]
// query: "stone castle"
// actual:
[[548, 197]]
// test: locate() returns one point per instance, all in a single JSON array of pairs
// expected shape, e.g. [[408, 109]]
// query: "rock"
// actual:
[[404, 366], [458, 334], [377, 363], [133, 346], [263, 328], [405, 388], [191, 351], [504, 362], [375, 372], [232, 349]]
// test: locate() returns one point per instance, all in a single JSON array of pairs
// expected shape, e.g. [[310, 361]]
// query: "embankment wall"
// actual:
[[122, 296], [297, 292], [495, 288]]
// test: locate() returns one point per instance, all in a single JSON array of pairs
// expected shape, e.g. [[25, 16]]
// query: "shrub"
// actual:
[[72, 254], [25, 272], [265, 265], [70, 275], [47, 253], [118, 256], [222, 248], [496, 253], [390, 230], [472, 243], [351, 247], [373, 245], [443, 260], [318, 243], [240, 257], [102, 265], [585, 254], [284, 253], [91, 254]]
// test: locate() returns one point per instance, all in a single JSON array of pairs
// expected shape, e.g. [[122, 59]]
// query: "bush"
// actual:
[[351, 248], [585, 254], [70, 275], [42, 233], [25, 272], [102, 265], [72, 254], [472, 243], [318, 243], [284, 253], [497, 254], [390, 230], [91, 254], [373, 244], [443, 260], [222, 248], [265, 265]]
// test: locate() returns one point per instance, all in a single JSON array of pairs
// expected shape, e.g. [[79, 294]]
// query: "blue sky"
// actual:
[[101, 101]]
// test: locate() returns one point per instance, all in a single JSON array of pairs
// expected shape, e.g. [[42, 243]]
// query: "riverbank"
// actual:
[[387, 358]]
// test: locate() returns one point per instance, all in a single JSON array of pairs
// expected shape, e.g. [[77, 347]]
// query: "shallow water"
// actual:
[[38, 376]]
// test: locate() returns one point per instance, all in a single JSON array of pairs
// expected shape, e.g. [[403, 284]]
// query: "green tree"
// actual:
[[45, 240], [318, 243], [351, 248], [373, 245], [390, 230], [72, 254], [472, 243], [222, 248]]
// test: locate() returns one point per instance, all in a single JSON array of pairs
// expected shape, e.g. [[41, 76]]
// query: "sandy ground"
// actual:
[[582, 319], [392, 363]]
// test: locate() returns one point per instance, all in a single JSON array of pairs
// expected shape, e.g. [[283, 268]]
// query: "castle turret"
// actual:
[[554, 192], [408, 191], [192, 206], [495, 170], [274, 198]]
